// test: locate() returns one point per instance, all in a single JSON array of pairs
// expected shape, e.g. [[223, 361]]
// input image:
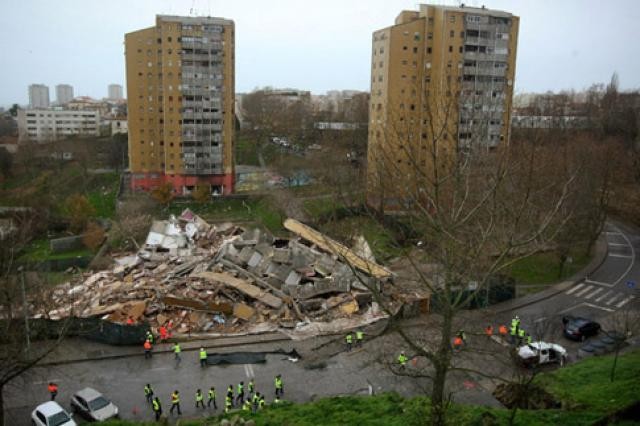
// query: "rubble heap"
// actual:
[[197, 278]]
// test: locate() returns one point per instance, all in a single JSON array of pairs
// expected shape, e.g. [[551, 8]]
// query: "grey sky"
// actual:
[[315, 45]]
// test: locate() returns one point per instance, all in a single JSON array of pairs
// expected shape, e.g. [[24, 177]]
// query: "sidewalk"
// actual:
[[74, 350]]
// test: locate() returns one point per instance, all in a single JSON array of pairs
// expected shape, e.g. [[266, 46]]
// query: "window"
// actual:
[[452, 19], [450, 49], [404, 47], [430, 36], [452, 33], [416, 36], [404, 62], [415, 50], [428, 50], [461, 34], [169, 39]]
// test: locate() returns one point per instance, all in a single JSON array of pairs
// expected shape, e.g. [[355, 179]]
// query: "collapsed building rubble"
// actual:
[[194, 277]]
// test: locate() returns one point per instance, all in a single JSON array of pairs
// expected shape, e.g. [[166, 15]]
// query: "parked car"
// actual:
[[579, 328], [51, 414], [92, 405], [539, 353]]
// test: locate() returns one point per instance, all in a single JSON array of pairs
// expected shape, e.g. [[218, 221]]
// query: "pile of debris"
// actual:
[[199, 278]]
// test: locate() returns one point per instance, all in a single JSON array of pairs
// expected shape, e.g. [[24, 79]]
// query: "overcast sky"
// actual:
[[314, 45]]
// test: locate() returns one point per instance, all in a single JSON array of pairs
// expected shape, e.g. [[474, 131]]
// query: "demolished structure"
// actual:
[[195, 278]]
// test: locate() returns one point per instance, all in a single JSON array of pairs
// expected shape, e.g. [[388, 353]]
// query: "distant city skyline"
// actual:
[[315, 46]]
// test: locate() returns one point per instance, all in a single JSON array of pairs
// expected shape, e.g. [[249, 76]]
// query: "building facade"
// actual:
[[46, 125], [64, 94], [180, 99], [114, 92], [38, 96], [442, 82]]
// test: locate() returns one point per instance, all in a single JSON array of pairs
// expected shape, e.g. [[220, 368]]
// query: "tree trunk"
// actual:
[[438, 401], [1, 405], [615, 363]]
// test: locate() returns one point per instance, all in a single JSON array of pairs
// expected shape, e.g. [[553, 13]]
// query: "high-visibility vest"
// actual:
[[240, 388], [529, 339], [230, 390], [199, 396], [175, 398], [514, 330], [156, 405], [251, 386], [261, 403], [255, 398], [52, 388], [402, 359], [227, 401], [276, 401], [278, 383], [359, 335], [246, 406], [149, 336], [349, 338], [176, 348], [503, 330], [148, 390], [212, 394], [203, 354], [489, 330], [521, 333], [147, 345], [457, 341]]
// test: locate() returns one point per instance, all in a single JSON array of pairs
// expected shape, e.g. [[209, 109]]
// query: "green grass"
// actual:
[[258, 210], [103, 196], [39, 250], [543, 268], [587, 384], [246, 152], [319, 207]]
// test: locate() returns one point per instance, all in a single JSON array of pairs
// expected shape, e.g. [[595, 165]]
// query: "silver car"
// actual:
[[92, 405]]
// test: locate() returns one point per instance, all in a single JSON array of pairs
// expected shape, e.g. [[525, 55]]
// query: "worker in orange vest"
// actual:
[[163, 332], [130, 320], [489, 330], [147, 349], [503, 330], [457, 343], [53, 390]]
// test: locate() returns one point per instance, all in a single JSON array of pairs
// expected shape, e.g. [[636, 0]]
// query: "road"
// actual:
[[605, 295]]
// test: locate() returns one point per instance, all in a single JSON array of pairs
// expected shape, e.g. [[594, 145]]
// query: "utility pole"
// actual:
[[24, 307]]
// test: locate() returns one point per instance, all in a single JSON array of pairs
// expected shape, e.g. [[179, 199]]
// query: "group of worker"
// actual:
[[349, 338], [517, 333], [254, 401]]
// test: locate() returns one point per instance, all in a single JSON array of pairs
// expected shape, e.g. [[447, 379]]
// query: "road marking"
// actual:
[[248, 371], [575, 288], [540, 319], [617, 244], [584, 291], [571, 308], [613, 233], [624, 302], [598, 283], [603, 296], [593, 293], [633, 256], [610, 301], [623, 256], [599, 307]]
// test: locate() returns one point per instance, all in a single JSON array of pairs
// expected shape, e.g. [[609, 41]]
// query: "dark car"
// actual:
[[578, 328]]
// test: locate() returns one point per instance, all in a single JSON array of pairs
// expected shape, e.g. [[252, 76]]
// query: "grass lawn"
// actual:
[[103, 196], [542, 268], [39, 250], [246, 152]]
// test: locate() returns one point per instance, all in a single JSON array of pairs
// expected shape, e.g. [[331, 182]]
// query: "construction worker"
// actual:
[[461, 335], [349, 340], [528, 339], [513, 332], [157, 408], [212, 398], [279, 385], [199, 399], [149, 336], [228, 403], [276, 401], [53, 390], [402, 360], [230, 392], [255, 400], [359, 338], [130, 320], [252, 387], [176, 353], [147, 349], [457, 343], [515, 322], [503, 330], [175, 402], [240, 396], [247, 405], [488, 331], [261, 402], [148, 392], [203, 357], [521, 336], [163, 333]]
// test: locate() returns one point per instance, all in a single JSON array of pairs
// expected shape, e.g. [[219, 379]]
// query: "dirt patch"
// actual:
[[529, 397]]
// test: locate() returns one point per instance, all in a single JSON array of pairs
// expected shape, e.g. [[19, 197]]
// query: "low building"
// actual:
[[118, 126], [54, 124]]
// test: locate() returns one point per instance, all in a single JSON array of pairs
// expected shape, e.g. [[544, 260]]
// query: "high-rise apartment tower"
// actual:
[[180, 97], [38, 96], [442, 81], [64, 94], [114, 92]]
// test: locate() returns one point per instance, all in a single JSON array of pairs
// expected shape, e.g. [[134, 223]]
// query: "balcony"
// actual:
[[488, 71]]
